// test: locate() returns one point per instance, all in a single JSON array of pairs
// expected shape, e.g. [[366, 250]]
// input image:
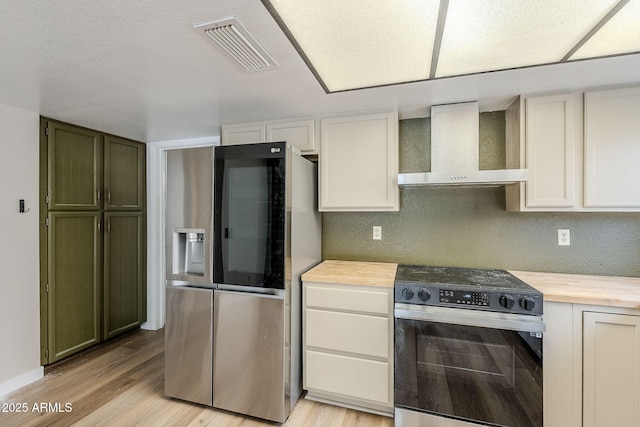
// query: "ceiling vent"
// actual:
[[238, 43]]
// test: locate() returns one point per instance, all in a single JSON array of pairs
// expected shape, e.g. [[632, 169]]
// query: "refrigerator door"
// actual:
[[189, 344], [250, 215], [189, 216], [249, 351]]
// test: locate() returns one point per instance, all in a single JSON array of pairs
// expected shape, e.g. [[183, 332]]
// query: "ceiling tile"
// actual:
[[621, 34], [355, 44], [489, 35]]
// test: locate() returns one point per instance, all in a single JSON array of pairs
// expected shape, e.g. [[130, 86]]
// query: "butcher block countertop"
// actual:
[[571, 288], [583, 289], [380, 274]]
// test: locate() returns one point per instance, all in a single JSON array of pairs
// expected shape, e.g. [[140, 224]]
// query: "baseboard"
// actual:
[[348, 403], [21, 381]]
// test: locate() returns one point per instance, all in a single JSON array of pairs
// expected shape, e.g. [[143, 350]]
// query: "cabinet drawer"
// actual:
[[360, 300], [353, 333], [348, 376]]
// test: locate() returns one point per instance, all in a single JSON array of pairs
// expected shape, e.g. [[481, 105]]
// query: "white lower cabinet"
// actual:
[[357, 333], [348, 345], [591, 366], [348, 376], [611, 369], [561, 367]]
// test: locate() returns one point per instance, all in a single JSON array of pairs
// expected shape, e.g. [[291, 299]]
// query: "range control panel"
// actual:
[[506, 301], [464, 297]]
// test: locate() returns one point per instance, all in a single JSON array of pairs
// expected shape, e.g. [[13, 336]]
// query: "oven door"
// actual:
[[456, 367]]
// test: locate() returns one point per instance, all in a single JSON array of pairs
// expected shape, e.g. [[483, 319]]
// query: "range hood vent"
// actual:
[[238, 43], [455, 137]]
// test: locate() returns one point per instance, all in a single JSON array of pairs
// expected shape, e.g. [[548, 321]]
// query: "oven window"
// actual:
[[477, 374]]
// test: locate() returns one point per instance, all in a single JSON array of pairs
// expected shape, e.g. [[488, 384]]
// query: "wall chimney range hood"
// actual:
[[455, 152]]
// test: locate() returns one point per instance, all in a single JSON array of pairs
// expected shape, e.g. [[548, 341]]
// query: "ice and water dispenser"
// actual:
[[189, 255]]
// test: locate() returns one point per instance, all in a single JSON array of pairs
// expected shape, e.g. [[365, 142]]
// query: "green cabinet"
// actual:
[[73, 298], [123, 272], [124, 179], [92, 239], [74, 168]]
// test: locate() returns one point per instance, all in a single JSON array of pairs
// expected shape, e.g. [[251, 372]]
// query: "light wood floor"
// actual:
[[121, 383]]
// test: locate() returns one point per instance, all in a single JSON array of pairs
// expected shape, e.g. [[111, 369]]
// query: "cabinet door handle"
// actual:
[[109, 195], [98, 196], [108, 226], [99, 227]]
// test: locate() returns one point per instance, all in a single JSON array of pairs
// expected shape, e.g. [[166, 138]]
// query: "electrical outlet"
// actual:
[[564, 237], [377, 232]]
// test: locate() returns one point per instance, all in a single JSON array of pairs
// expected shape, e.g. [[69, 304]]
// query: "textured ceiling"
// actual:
[[138, 69]]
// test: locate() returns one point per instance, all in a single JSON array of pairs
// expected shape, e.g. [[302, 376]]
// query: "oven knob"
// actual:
[[407, 293], [527, 303], [424, 294], [506, 301]]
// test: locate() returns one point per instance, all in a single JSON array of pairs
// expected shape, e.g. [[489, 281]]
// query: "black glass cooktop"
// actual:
[[487, 279]]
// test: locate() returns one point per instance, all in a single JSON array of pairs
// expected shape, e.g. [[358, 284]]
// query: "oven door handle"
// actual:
[[483, 319]]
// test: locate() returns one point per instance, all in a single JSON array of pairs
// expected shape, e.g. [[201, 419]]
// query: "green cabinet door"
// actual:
[[124, 291], [74, 166], [74, 278], [124, 174]]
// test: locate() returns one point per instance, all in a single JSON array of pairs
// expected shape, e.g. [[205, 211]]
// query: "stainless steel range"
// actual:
[[468, 348]]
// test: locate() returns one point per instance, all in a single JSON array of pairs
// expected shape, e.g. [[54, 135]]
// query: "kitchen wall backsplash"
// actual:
[[471, 228]]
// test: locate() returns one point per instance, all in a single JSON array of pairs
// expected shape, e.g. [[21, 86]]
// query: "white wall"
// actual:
[[19, 247]]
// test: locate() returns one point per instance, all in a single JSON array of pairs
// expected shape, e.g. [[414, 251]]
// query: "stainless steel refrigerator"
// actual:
[[189, 275], [267, 232]]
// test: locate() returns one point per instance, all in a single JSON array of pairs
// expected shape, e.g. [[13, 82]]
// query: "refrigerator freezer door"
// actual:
[[249, 375], [189, 344]]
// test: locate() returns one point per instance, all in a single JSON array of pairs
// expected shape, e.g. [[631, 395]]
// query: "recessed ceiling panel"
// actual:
[[357, 43], [489, 35], [621, 34]]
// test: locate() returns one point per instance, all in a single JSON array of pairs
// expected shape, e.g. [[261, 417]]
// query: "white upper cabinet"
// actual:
[[358, 163], [244, 134], [612, 148], [550, 151], [542, 136], [300, 134], [577, 161]]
